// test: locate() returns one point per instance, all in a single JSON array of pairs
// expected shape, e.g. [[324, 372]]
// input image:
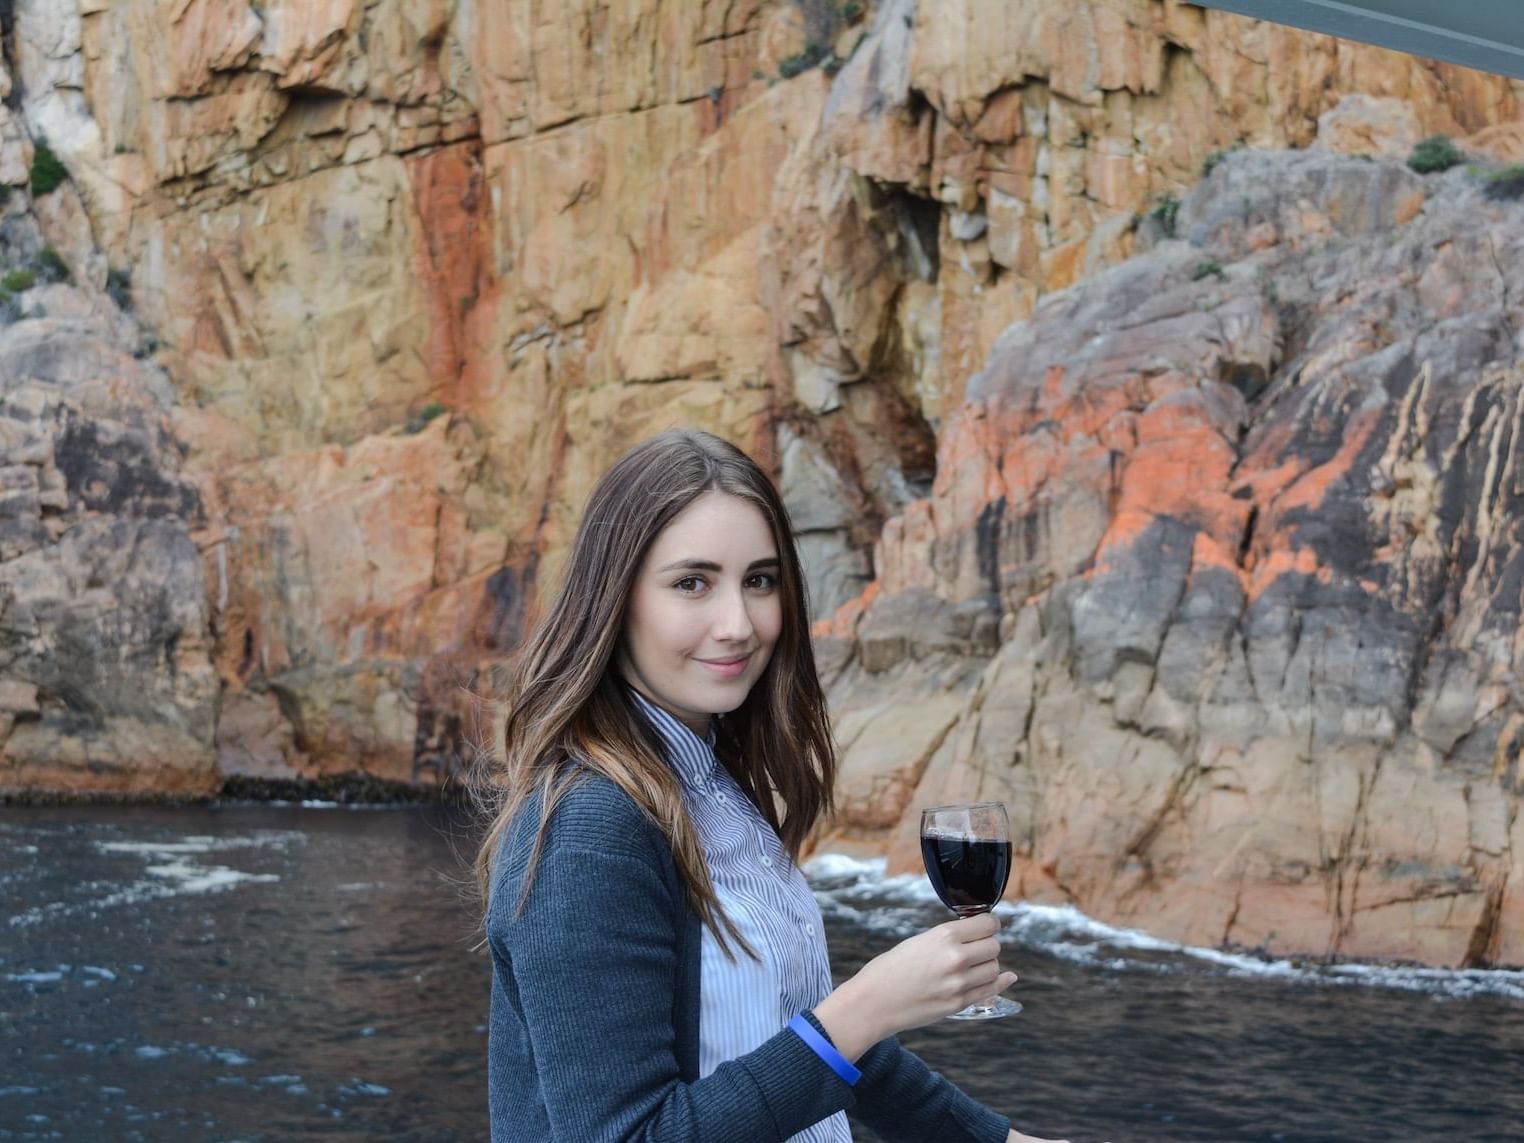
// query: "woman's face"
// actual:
[[705, 611]]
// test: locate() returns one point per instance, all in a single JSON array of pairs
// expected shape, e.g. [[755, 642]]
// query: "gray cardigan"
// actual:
[[594, 1032]]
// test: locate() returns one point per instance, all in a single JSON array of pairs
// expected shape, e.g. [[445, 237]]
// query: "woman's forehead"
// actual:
[[717, 527]]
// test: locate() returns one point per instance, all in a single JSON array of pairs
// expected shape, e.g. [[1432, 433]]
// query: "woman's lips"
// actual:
[[727, 668]]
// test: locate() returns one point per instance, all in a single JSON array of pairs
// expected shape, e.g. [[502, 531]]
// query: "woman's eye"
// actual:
[[689, 583], [762, 581]]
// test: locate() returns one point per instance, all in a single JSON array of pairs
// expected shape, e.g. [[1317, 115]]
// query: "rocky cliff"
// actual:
[[1218, 586], [1178, 512]]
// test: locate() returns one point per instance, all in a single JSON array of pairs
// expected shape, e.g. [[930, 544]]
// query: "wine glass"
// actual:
[[967, 850]]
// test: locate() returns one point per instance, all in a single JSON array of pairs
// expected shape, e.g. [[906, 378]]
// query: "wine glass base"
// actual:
[[996, 1008]]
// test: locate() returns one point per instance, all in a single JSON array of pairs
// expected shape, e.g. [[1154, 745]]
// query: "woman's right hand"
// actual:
[[920, 980]]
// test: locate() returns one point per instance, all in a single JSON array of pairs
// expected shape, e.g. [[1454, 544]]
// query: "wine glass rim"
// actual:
[[962, 806]]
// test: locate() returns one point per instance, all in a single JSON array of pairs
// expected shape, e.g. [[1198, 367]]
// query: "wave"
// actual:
[[170, 869], [857, 892]]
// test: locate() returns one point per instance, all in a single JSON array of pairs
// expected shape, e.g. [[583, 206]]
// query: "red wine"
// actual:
[[969, 875]]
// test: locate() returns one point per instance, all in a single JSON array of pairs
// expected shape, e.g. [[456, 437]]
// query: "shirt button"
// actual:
[[721, 798], [767, 861], [809, 930]]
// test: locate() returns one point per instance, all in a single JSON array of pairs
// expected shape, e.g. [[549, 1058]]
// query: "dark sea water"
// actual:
[[269, 973]]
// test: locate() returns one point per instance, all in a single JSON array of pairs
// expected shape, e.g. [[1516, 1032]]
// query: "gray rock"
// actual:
[[1253, 507]]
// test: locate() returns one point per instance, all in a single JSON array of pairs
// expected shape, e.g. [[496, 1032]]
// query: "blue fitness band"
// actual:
[[826, 1050]]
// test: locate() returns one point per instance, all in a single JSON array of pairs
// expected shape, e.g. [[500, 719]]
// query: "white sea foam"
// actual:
[[829, 865], [38, 976], [191, 878], [358, 1086], [858, 891], [169, 871], [202, 843], [351, 807]]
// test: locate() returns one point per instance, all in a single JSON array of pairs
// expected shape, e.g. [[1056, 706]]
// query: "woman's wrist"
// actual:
[[847, 1022]]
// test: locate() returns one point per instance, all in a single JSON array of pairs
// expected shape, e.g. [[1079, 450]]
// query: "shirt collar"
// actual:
[[688, 754]]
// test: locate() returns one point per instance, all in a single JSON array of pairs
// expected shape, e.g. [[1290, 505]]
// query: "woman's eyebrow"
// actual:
[[693, 563]]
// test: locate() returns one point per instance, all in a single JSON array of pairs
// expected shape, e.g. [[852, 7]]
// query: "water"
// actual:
[[1129, 1038], [248, 973], [269, 973]]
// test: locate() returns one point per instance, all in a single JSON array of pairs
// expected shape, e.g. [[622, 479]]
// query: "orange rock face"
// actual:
[[1238, 527], [410, 275]]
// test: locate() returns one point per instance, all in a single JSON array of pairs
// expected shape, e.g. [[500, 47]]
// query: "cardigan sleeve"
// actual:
[[584, 993], [902, 1099]]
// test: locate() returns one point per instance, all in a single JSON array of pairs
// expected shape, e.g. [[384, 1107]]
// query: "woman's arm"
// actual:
[[898, 1095], [917, 982], [585, 988]]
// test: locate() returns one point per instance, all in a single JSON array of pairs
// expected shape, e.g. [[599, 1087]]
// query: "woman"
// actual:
[[659, 971]]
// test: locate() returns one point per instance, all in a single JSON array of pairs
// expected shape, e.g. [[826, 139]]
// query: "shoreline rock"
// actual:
[[354, 788]]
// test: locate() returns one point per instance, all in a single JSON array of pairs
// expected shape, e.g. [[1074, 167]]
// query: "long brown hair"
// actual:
[[567, 711]]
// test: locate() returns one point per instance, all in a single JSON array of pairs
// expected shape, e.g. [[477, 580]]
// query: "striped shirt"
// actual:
[[747, 1001]]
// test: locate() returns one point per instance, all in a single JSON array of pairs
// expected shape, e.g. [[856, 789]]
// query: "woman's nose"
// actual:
[[733, 622]]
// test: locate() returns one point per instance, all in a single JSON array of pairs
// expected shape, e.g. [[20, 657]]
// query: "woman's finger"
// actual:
[[980, 952], [975, 928]]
